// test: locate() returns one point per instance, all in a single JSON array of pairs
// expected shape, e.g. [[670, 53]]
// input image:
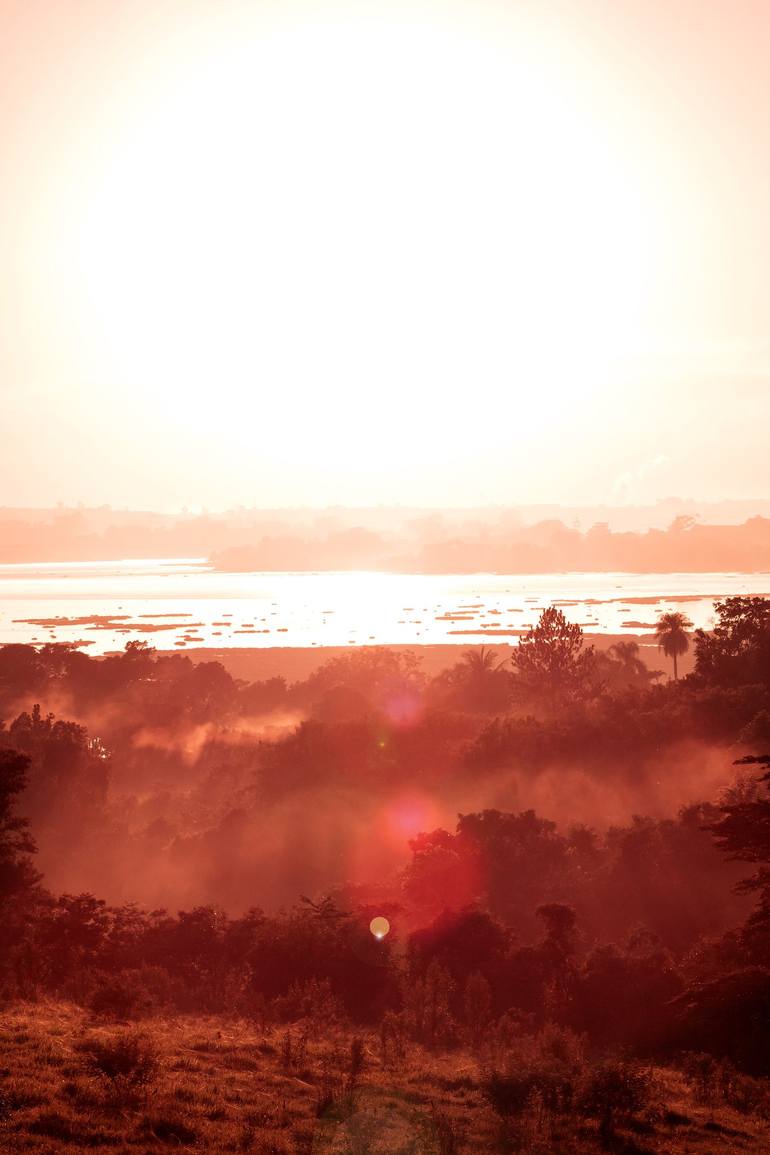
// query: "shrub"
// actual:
[[517, 1091], [257, 1009], [113, 1000], [477, 1008], [701, 1071], [312, 1001], [67, 1129], [293, 1051], [339, 1082], [712, 1080], [547, 1079], [393, 1039], [128, 1061], [427, 1006], [168, 1129], [748, 1095], [540, 1076], [616, 1093], [444, 1133]]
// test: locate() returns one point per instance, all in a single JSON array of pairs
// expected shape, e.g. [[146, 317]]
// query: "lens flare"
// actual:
[[379, 926]]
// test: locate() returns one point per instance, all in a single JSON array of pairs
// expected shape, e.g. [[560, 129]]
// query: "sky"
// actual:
[[384, 251]]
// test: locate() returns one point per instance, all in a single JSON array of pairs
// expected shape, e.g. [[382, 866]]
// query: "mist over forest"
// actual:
[[384, 577], [567, 851], [563, 779]]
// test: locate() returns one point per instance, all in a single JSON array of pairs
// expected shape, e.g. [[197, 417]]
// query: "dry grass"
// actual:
[[222, 1086]]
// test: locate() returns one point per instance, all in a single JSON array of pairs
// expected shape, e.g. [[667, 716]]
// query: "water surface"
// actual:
[[183, 603]]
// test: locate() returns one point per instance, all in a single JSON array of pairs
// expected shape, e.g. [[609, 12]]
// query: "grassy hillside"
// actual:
[[214, 1084]]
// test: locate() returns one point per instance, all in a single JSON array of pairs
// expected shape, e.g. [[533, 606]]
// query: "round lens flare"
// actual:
[[379, 926]]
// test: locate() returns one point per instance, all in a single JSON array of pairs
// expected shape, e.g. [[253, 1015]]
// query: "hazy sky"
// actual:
[[432, 253]]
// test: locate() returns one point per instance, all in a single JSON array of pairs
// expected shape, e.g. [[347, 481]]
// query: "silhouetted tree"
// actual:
[[623, 992], [621, 667], [743, 833], [550, 661], [463, 942], [672, 636], [17, 874], [477, 682], [737, 651], [728, 1016]]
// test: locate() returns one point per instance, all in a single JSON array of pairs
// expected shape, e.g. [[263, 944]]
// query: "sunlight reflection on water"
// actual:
[[183, 603]]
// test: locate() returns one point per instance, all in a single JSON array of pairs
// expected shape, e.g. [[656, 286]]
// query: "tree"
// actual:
[[727, 1016], [743, 830], [481, 663], [17, 874], [19, 880], [477, 682], [621, 667], [21, 673], [743, 833], [672, 637], [70, 771], [550, 660], [737, 651], [463, 942]]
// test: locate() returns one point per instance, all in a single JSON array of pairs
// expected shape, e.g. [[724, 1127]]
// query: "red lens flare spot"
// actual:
[[409, 816]]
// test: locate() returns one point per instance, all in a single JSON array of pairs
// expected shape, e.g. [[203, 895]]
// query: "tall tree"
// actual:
[[17, 874], [671, 632], [743, 833], [550, 660]]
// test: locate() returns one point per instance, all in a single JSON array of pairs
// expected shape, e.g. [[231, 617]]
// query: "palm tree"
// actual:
[[480, 673], [672, 637], [482, 662], [627, 653]]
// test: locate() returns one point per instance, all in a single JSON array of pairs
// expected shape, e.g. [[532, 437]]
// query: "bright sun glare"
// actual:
[[378, 224]]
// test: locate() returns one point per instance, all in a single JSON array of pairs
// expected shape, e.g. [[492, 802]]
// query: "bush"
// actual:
[[515, 1092], [294, 1051], [750, 1096], [540, 1074], [616, 1093], [477, 1009], [67, 1129], [113, 999], [337, 1090], [171, 1130], [393, 1039], [443, 1133], [702, 1073], [727, 1015], [128, 1061], [427, 1007], [548, 1079], [713, 1080], [313, 1002]]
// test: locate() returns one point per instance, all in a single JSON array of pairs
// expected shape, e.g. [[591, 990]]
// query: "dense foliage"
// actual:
[[628, 932]]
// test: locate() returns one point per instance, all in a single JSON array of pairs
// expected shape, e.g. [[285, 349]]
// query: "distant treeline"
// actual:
[[512, 540], [547, 547]]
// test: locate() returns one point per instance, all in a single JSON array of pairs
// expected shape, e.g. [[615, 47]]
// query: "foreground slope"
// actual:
[[226, 1085]]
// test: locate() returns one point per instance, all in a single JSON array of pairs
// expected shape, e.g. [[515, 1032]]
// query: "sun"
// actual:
[[361, 234]]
